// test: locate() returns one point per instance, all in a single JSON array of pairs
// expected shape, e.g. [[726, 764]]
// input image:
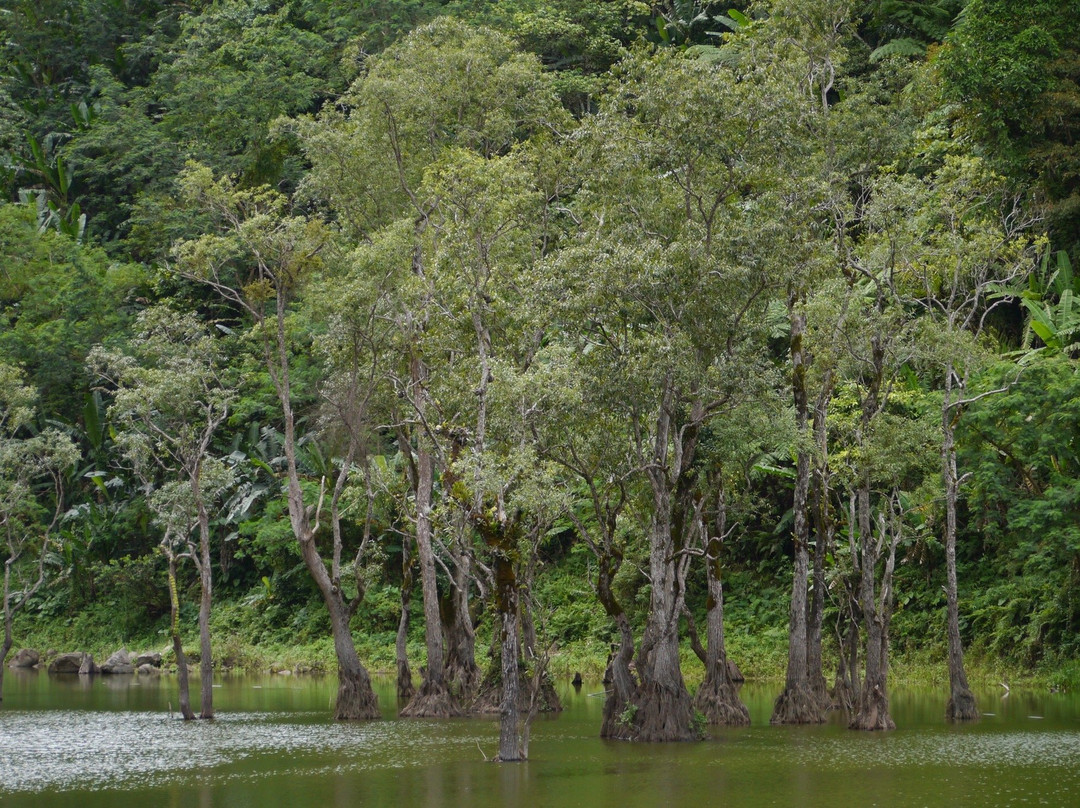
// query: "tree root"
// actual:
[[961, 706], [719, 702], [356, 701], [797, 705], [432, 700], [873, 713], [662, 713]]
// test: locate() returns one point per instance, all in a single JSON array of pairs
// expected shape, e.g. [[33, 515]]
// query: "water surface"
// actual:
[[67, 741]]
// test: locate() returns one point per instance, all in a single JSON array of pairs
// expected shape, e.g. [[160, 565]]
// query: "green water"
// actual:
[[102, 741]]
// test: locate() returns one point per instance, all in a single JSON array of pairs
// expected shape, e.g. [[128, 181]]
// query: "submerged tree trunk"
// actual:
[[662, 708], [798, 704], [718, 697], [846, 689], [872, 711], [872, 707], [178, 645], [462, 672], [355, 697], [823, 534], [502, 539], [405, 687], [9, 639], [206, 586], [961, 705], [433, 699]]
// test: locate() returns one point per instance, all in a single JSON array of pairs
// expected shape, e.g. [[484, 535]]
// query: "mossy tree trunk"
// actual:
[[798, 704], [184, 696], [872, 706], [405, 687], [718, 697], [433, 699], [961, 705]]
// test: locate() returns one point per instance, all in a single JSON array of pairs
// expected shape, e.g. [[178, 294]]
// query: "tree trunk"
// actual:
[[178, 646], [433, 699], [8, 618], [355, 699], [462, 672], [507, 607], [822, 545], [961, 705], [8, 635], [718, 697], [872, 712], [662, 708], [206, 585], [846, 691], [618, 677], [405, 687], [797, 704], [846, 687]]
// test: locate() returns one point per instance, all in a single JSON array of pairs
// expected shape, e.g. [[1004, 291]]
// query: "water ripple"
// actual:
[[65, 749]]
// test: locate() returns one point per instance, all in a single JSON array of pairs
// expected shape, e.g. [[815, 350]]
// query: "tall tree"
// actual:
[[258, 259], [955, 238], [668, 295], [170, 396], [28, 517]]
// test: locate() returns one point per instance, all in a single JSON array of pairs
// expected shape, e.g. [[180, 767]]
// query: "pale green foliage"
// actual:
[[27, 514], [16, 400], [170, 397], [444, 86], [256, 252]]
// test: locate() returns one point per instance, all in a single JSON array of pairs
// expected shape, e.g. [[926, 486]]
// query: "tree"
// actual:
[[954, 238], [667, 298], [1011, 73], [258, 259], [446, 93], [29, 517], [170, 396]]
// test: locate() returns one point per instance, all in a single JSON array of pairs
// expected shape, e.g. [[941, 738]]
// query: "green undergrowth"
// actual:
[[271, 627]]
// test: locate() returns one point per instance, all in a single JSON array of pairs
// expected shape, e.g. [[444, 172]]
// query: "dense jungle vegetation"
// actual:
[[611, 334]]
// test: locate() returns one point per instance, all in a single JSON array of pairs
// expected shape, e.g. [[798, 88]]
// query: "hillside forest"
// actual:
[[477, 341]]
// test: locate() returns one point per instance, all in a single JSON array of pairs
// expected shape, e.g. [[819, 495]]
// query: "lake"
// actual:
[[71, 741]]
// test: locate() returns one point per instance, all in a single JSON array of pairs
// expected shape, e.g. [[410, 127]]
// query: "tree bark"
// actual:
[[206, 587], [873, 705], [355, 698], [433, 699], [662, 708], [798, 704], [961, 705], [462, 672], [178, 645], [506, 603], [405, 687], [8, 634], [822, 545], [718, 697]]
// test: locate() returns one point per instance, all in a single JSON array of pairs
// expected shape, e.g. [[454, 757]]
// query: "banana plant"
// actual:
[[1053, 308]]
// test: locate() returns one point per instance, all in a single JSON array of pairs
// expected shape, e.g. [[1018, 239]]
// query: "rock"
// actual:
[[26, 658], [285, 672], [146, 669], [148, 659], [119, 662], [88, 666], [71, 663]]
